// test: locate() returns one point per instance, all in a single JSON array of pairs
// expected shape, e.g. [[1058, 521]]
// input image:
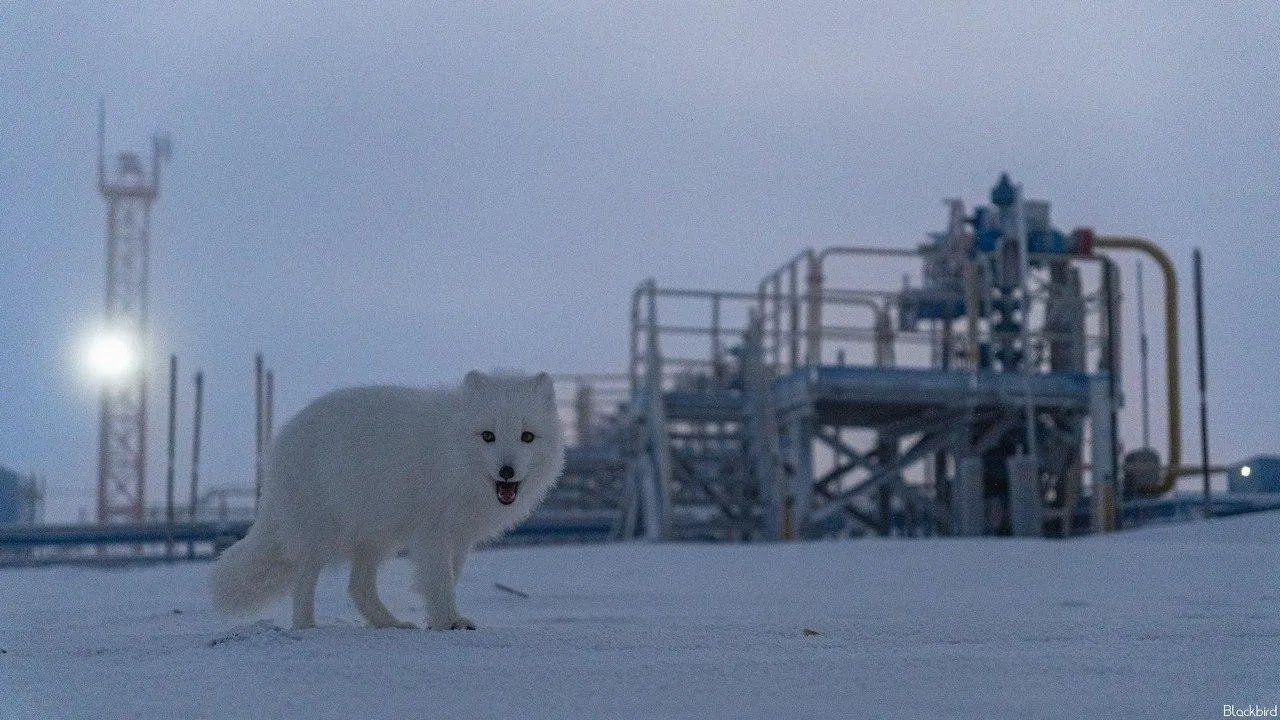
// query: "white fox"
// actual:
[[362, 473]]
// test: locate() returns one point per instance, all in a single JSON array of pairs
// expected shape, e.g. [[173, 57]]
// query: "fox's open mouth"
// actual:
[[506, 491]]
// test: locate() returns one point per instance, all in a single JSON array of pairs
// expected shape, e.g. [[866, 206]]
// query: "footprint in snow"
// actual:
[[262, 631]]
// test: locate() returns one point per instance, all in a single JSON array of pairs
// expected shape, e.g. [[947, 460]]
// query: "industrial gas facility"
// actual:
[[984, 400], [975, 388]]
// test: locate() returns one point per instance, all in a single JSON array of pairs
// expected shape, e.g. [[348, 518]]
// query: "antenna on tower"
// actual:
[[161, 151]]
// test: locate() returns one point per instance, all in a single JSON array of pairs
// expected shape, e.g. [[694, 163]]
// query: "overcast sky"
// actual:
[[401, 191]]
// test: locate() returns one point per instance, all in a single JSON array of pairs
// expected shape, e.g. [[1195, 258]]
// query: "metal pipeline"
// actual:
[[1119, 242]]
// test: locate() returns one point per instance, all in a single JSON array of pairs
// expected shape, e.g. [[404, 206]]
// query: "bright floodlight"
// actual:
[[111, 355], [1246, 471]]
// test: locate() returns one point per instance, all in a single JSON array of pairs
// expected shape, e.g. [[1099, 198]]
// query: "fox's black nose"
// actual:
[[506, 472]]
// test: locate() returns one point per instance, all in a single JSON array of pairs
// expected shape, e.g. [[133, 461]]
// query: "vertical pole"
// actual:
[[944, 357], [1113, 360], [257, 430], [793, 290], [1024, 252], [715, 339], [968, 516], [1204, 409], [583, 406], [104, 426], [942, 488], [1142, 351], [776, 355], [195, 460], [1102, 423], [268, 413], [170, 452], [886, 454], [973, 305], [813, 324], [658, 501], [801, 429], [1026, 506], [104, 423], [633, 360], [102, 132], [144, 344], [788, 531]]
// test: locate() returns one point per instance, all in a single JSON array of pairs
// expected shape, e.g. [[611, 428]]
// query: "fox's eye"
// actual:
[[526, 437], [488, 436]]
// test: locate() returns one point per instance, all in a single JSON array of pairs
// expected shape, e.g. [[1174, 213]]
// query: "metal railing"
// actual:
[[588, 403]]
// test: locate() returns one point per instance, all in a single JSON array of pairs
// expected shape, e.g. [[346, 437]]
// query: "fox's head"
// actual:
[[514, 437]]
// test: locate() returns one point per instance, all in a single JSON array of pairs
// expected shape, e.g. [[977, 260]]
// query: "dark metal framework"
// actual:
[[122, 461]]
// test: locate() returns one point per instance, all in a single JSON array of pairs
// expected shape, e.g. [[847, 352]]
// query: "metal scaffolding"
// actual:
[[130, 192], [982, 400]]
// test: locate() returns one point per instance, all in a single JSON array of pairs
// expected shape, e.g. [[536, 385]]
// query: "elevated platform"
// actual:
[[1183, 505], [868, 396], [864, 393], [719, 405]]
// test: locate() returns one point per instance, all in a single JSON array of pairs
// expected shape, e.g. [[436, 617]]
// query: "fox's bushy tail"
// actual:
[[251, 574]]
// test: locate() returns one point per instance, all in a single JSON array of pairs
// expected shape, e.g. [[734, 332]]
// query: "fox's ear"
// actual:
[[474, 380], [543, 385]]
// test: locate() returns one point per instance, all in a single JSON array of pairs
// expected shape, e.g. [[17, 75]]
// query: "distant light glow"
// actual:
[[1246, 471], [111, 355]]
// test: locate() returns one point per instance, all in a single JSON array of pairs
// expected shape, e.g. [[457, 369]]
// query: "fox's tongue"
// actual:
[[506, 491]]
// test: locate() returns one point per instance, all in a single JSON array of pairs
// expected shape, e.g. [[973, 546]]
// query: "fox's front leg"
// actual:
[[434, 570], [459, 557]]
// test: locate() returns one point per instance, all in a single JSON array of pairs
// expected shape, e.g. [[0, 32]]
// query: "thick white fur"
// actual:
[[361, 473]]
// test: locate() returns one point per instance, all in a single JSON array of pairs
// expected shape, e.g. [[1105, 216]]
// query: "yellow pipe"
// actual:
[[1117, 242]]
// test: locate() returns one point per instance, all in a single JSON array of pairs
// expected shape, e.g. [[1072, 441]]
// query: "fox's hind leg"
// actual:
[[304, 596], [363, 588]]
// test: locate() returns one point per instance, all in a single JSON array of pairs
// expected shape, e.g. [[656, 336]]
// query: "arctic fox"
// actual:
[[364, 472]]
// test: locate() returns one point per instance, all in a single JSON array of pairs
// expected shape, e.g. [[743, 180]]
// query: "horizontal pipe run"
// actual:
[[590, 377], [864, 250], [696, 330], [703, 294]]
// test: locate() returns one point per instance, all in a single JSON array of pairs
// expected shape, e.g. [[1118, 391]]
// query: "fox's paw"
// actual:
[[459, 623]]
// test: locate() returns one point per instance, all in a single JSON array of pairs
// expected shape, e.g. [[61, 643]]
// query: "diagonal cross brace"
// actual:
[[927, 444]]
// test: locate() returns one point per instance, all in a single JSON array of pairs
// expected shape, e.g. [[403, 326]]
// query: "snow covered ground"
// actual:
[[1168, 622]]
